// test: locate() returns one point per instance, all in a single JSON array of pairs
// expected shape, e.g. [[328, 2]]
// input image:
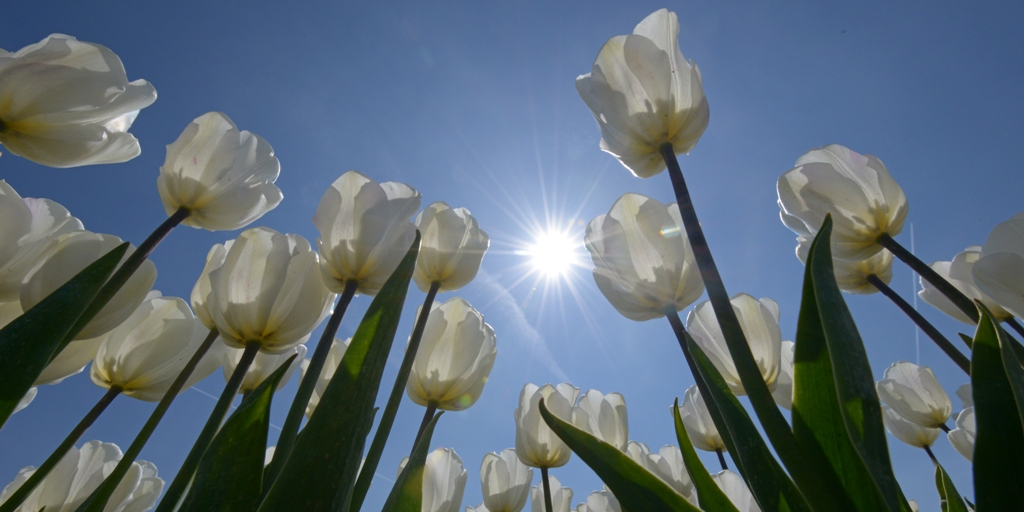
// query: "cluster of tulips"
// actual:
[[69, 297]]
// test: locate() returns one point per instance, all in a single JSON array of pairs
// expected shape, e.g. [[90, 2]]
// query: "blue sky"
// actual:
[[473, 103]]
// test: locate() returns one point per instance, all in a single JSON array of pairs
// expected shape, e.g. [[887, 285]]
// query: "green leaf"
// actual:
[[34, 338], [949, 498], [407, 494], [768, 482], [230, 473], [322, 468], [999, 443], [636, 488], [709, 495]]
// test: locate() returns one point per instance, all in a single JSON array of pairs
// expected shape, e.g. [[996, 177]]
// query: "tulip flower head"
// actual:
[[444, 481], [643, 261], [331, 363], [962, 437], [455, 357], [201, 290], [783, 392], [736, 490], [603, 416], [27, 399], [364, 231], [759, 319], [600, 501], [668, 465], [222, 176], [262, 367], [998, 273], [268, 291], [699, 426], [67, 103], [79, 473], [505, 481], [907, 431], [644, 94], [914, 393], [451, 248], [536, 445], [852, 275], [864, 200], [959, 273], [561, 497]]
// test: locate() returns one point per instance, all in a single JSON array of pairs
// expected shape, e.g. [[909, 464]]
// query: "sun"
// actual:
[[554, 253]]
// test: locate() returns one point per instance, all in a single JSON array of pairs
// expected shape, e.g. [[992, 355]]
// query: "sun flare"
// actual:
[[554, 253]]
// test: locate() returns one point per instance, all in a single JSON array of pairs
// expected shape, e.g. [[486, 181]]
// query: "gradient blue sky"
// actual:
[[473, 103]]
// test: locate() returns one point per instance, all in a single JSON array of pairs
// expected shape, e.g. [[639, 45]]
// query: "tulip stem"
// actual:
[[944, 344], [180, 483], [44, 469], [944, 427], [1012, 322], [547, 489], [961, 301], [286, 441], [721, 458], [380, 437], [427, 416], [931, 455]]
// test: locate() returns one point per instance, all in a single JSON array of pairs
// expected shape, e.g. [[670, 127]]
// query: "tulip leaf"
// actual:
[[999, 443], [768, 482], [636, 488], [949, 498], [230, 473], [321, 470], [33, 339], [407, 493], [709, 495]]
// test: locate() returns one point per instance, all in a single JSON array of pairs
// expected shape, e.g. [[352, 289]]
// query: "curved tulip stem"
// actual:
[[931, 455], [961, 301], [380, 437], [427, 416], [293, 421], [180, 483], [721, 458], [944, 427], [944, 344], [1012, 322], [547, 490], [44, 469]]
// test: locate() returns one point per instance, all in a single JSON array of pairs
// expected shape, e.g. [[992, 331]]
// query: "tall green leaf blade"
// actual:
[[230, 473], [709, 495], [322, 468], [636, 488], [949, 498], [30, 341], [407, 493], [999, 443]]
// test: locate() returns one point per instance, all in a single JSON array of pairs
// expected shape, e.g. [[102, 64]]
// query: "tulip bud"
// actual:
[[783, 392], [505, 481], [66, 256], [444, 481], [644, 93], [67, 103], [643, 261], [603, 416], [959, 274], [224, 177], [144, 355], [536, 445], [331, 363], [736, 490], [668, 465], [908, 431], [600, 501], [759, 319], [864, 200], [697, 420], [263, 366], [962, 437], [914, 393], [852, 276], [561, 497], [452, 247], [998, 273], [268, 291]]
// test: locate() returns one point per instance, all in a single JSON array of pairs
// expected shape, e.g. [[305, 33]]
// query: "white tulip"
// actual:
[[561, 497], [998, 273], [668, 465], [536, 445], [66, 103], [455, 356], [364, 231], [223, 177], [66, 256], [505, 481], [268, 291], [263, 366], [79, 473], [451, 248], [965, 394], [697, 420], [959, 273], [908, 431], [852, 276], [962, 437], [639, 452], [736, 490], [70, 361], [27, 399], [603, 416], [444, 481], [334, 355], [783, 392], [201, 290], [644, 93], [144, 355], [913, 505], [600, 501], [915, 394], [643, 261], [479, 508], [864, 200], [759, 320]]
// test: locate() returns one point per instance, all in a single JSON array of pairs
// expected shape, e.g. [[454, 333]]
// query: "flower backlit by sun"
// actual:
[[554, 253]]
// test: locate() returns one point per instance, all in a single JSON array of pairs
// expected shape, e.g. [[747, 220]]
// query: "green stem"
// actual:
[[380, 438], [944, 344], [1012, 322], [961, 301], [721, 459], [44, 469], [931, 455], [180, 483], [547, 490], [286, 440], [427, 416]]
